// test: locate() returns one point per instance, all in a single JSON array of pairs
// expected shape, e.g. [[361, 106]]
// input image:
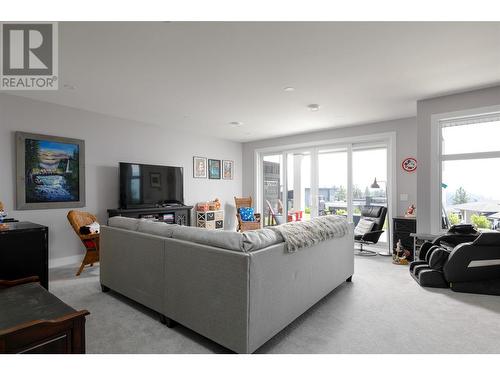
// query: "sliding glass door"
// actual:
[[299, 193], [369, 180], [272, 178], [332, 181], [296, 185]]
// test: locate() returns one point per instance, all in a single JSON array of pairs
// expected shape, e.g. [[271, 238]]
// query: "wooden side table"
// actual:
[[34, 321]]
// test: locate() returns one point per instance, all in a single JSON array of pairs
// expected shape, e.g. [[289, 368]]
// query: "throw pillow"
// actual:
[[364, 226], [247, 214], [93, 228]]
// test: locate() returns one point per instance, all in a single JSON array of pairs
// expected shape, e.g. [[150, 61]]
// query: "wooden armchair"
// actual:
[[246, 225], [78, 219]]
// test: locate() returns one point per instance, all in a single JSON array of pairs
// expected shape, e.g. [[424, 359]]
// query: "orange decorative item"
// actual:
[[411, 211], [202, 206], [217, 203]]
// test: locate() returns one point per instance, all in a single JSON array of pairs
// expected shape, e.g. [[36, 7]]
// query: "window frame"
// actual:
[[437, 158], [386, 138]]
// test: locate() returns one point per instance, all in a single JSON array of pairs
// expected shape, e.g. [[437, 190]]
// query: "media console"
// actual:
[[169, 214]]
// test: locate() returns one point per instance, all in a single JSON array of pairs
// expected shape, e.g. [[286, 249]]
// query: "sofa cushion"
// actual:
[[211, 237], [124, 222], [260, 238], [157, 228]]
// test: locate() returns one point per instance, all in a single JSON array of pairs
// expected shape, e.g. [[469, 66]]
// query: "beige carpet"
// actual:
[[382, 311]]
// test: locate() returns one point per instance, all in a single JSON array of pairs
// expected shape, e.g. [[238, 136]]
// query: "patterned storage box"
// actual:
[[210, 219]]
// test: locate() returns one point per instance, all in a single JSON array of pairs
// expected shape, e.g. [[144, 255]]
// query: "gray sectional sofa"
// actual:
[[238, 290]]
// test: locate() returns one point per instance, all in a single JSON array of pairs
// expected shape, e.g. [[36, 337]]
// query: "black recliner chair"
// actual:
[[375, 214], [467, 263]]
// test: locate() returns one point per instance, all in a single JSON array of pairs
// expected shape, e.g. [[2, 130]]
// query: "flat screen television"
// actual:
[[144, 186]]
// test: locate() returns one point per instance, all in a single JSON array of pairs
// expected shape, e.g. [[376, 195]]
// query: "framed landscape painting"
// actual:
[[50, 172], [214, 169], [227, 169]]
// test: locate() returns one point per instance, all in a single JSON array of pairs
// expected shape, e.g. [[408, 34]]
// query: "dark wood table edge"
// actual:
[[74, 321]]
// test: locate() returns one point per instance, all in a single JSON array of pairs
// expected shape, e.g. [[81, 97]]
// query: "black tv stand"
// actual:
[[174, 214]]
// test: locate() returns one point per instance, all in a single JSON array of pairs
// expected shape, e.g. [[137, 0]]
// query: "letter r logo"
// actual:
[[27, 49]]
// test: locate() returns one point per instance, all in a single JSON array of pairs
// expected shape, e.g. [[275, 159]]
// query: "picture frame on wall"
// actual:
[[214, 169], [227, 169], [155, 180], [200, 167], [50, 172]]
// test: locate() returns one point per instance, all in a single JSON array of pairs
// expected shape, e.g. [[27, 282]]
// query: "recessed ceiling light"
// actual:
[[289, 89], [235, 124], [313, 107]]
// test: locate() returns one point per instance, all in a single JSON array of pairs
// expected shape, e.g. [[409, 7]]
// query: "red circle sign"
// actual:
[[409, 164]]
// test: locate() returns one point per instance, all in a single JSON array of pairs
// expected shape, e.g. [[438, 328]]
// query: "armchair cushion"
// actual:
[[364, 226], [371, 236], [247, 214]]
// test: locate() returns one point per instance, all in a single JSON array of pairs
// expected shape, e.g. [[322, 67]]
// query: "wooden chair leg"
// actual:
[[81, 268], [90, 257]]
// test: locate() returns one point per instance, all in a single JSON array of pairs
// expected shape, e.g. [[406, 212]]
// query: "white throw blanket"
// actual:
[[308, 233]]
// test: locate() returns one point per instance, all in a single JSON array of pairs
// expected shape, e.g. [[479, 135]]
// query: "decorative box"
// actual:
[[210, 219]]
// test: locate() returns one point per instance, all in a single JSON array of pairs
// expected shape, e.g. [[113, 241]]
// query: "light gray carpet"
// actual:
[[382, 311]]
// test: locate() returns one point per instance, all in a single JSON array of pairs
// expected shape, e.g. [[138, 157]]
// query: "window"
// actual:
[[272, 189], [327, 177], [470, 171]]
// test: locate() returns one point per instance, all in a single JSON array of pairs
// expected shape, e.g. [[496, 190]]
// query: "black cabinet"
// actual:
[[171, 214], [402, 227], [24, 249]]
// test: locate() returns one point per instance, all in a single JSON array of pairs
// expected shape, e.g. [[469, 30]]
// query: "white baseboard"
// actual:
[[65, 261]]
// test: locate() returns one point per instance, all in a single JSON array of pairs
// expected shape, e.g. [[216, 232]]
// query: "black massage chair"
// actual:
[[463, 260]]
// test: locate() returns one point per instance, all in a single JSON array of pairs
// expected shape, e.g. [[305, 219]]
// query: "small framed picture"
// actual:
[[214, 169], [227, 169], [199, 167], [155, 180]]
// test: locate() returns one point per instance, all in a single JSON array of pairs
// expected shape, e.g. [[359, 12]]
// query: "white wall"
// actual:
[[406, 146], [108, 140], [425, 110]]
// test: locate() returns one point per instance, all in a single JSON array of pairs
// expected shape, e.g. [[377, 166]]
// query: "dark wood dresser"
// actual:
[[402, 228], [34, 321], [24, 249]]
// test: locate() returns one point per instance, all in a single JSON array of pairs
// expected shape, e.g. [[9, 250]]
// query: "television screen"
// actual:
[[144, 185]]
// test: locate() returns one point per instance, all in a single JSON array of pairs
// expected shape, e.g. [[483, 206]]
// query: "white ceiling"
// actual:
[[201, 76]]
